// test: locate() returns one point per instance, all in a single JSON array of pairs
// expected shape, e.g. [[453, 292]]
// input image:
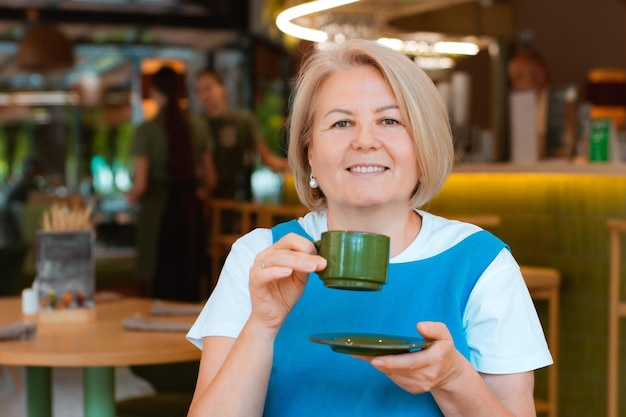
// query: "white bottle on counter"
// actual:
[[30, 305]]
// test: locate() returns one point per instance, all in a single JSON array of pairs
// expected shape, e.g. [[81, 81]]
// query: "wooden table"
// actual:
[[97, 347]]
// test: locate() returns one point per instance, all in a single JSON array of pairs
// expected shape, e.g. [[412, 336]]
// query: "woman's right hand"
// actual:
[[278, 277]]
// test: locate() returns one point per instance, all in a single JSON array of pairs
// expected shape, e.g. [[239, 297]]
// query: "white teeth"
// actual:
[[367, 169]]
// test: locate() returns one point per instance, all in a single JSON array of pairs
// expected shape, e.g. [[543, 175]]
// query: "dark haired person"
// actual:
[[171, 152]]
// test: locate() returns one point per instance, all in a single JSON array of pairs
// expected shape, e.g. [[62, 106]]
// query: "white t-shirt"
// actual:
[[504, 334]]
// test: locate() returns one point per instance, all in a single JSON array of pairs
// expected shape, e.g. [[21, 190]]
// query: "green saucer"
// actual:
[[367, 344]]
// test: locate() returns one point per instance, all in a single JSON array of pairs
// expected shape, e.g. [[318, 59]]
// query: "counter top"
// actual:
[[544, 167]]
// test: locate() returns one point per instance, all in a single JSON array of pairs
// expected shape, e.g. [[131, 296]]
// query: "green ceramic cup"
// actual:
[[356, 260]]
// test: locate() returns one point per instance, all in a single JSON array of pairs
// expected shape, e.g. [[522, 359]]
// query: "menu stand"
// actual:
[[65, 276]]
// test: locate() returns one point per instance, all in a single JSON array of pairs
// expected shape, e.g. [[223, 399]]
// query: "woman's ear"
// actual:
[[309, 156]]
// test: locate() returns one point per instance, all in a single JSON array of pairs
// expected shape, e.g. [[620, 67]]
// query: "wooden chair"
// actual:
[[617, 310], [544, 284], [249, 215]]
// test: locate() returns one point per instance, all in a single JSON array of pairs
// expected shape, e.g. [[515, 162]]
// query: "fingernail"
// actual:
[[310, 266]]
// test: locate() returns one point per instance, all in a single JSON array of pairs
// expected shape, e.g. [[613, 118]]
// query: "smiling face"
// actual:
[[361, 152]]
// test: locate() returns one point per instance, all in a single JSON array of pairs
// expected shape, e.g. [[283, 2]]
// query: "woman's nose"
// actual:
[[366, 137]]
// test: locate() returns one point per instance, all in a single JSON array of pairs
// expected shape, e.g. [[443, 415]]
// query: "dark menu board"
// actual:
[[561, 121], [65, 270]]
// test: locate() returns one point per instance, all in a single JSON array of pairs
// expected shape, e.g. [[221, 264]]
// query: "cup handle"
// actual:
[[317, 244]]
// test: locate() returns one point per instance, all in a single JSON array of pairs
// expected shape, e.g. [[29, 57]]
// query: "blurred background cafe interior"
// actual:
[[541, 164]]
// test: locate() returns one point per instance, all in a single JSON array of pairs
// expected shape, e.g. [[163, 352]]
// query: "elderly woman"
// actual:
[[369, 143]]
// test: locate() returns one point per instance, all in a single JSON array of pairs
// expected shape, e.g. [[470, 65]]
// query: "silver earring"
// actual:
[[312, 181]]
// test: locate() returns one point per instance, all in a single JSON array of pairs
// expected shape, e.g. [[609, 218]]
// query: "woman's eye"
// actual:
[[390, 122], [341, 123]]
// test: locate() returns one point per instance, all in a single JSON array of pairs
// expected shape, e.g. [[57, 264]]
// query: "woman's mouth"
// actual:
[[366, 169]]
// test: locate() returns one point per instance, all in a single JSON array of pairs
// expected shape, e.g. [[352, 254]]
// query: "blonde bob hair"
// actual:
[[422, 108]]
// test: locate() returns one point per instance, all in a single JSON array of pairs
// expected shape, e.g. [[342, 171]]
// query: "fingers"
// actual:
[[432, 331], [290, 253], [402, 362], [293, 241], [289, 260], [426, 369]]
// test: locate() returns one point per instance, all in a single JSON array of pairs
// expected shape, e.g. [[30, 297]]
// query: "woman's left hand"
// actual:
[[427, 369]]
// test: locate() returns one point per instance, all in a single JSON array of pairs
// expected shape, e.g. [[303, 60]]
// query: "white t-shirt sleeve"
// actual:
[[502, 327], [228, 308]]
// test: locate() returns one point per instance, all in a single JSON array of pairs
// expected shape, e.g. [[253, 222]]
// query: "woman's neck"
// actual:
[[402, 227]]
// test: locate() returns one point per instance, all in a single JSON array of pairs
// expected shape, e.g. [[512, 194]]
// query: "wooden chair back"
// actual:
[[230, 219]]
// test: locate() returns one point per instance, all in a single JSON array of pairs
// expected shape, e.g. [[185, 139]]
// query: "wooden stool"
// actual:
[[617, 310], [544, 284]]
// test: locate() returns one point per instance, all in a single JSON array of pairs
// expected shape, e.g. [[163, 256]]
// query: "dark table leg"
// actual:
[[39, 391]]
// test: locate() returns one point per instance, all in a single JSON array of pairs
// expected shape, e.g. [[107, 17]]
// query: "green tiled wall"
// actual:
[[558, 220]]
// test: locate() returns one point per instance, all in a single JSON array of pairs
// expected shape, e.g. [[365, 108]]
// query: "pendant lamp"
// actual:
[[44, 48]]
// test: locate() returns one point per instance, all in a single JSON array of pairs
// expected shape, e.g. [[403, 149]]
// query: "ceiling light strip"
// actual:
[[42, 98], [423, 48], [456, 48], [285, 24]]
